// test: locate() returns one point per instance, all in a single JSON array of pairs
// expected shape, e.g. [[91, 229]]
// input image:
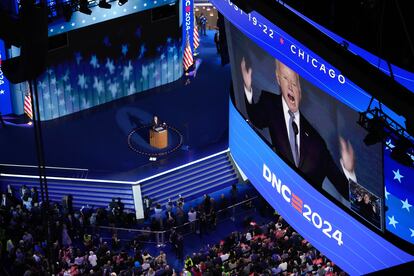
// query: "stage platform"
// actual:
[[94, 143]]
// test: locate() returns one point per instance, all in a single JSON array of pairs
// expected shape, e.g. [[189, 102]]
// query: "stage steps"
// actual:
[[191, 181], [96, 194], [207, 176]]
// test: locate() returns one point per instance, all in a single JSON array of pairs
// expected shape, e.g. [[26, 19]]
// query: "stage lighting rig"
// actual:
[[104, 4], [122, 2], [84, 7], [381, 127]]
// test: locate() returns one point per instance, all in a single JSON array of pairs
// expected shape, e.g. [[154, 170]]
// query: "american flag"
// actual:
[[188, 56], [196, 37], [28, 105]]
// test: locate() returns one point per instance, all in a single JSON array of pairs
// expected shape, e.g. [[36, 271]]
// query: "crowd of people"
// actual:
[[75, 245], [201, 217], [269, 249]]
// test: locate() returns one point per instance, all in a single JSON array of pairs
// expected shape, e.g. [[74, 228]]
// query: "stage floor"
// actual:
[[96, 139]]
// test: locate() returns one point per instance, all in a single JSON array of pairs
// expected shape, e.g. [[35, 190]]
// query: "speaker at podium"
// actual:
[[158, 134]]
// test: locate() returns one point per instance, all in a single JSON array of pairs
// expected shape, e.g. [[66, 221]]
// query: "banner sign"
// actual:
[[347, 242], [5, 99], [188, 24]]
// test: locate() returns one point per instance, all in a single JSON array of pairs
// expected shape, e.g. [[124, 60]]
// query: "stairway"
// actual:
[[97, 194], [207, 176]]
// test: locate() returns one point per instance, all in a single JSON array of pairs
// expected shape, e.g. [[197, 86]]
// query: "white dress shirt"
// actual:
[[249, 96], [287, 119]]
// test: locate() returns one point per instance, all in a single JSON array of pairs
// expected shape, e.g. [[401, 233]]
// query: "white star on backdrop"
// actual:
[[94, 62], [66, 76], [412, 232], [53, 81], [85, 103], [389, 146], [68, 88], [1, 92], [82, 81], [113, 88], [131, 89], [144, 71], [42, 84], [110, 66], [98, 85], [46, 96], [397, 175], [124, 49], [127, 71], [392, 222], [406, 205]]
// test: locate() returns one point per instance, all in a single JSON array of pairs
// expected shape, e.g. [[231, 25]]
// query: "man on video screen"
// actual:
[[292, 136]]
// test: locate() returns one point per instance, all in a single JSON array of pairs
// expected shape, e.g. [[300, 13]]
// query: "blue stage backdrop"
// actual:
[[5, 101], [108, 61]]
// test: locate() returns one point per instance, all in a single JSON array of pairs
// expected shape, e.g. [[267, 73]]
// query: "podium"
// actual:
[[159, 137]]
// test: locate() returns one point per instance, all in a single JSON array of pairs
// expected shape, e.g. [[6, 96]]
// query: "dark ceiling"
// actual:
[[383, 27]]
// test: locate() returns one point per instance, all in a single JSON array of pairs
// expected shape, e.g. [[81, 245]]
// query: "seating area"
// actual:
[[272, 248]]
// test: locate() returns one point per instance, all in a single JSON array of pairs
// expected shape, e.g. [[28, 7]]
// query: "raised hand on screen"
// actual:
[[247, 75], [347, 155]]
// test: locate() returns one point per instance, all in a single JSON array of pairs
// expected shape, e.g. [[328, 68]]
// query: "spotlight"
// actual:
[[376, 133], [83, 7], [122, 2], [103, 4], [400, 152]]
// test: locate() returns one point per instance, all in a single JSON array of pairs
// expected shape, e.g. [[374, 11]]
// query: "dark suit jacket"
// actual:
[[316, 161]]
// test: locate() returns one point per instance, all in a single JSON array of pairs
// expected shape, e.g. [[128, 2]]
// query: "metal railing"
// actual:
[[160, 237]]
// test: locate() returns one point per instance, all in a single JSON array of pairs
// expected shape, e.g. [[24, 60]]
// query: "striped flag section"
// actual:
[[28, 105], [188, 57], [196, 37]]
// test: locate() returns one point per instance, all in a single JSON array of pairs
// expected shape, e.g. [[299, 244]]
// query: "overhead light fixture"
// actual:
[[376, 133], [83, 7], [104, 5], [122, 2], [380, 127]]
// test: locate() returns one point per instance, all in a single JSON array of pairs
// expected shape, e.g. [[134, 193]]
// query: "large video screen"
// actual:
[[316, 134], [293, 133]]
